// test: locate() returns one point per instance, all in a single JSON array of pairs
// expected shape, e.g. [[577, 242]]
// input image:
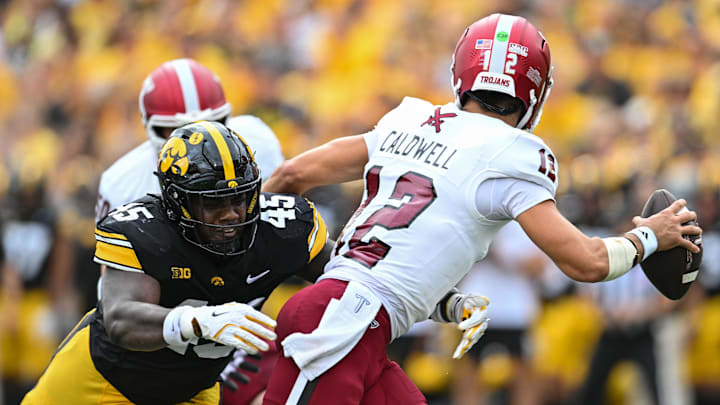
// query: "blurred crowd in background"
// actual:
[[635, 106]]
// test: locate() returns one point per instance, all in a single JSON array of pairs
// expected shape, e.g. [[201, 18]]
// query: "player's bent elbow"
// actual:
[[113, 327], [116, 327]]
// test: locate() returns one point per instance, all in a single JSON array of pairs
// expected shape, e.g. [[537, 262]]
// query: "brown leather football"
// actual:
[[670, 271]]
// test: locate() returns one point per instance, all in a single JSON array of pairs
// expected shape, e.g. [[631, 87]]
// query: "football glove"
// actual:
[[469, 312], [474, 323], [231, 375], [231, 324]]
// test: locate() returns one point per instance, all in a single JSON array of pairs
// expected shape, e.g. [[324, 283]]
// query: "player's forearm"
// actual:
[[337, 161], [585, 260], [287, 178], [136, 325]]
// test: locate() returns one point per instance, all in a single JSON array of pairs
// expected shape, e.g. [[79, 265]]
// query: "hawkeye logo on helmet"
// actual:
[[232, 184], [173, 157], [195, 138]]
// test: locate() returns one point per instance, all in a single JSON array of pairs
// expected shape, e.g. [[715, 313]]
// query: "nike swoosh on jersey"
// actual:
[[251, 279]]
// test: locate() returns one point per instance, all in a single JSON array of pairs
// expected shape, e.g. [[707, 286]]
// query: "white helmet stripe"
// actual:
[[187, 83], [499, 49]]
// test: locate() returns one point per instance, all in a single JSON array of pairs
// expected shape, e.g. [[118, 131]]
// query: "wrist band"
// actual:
[[445, 308], [636, 260], [647, 238]]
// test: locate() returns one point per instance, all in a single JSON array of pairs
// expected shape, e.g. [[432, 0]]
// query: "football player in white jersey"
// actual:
[[440, 181], [176, 93]]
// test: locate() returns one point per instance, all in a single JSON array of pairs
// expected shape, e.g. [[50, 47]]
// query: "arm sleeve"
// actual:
[[506, 198]]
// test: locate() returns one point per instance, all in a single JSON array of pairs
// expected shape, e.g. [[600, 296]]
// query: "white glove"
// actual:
[[469, 312], [232, 324], [474, 322]]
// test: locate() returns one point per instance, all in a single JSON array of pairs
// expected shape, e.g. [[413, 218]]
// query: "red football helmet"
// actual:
[[179, 92], [507, 54]]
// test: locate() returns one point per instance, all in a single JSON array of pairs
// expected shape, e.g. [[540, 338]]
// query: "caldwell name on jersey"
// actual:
[[436, 170], [139, 237]]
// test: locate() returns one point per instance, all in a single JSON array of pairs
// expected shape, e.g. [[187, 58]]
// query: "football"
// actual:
[[670, 271]]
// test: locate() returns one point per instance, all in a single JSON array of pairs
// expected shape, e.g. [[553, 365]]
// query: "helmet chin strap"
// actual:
[[529, 112], [546, 94], [456, 91]]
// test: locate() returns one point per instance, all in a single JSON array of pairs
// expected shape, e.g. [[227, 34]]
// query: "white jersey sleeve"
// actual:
[[129, 178], [526, 157], [371, 139], [262, 141], [506, 198]]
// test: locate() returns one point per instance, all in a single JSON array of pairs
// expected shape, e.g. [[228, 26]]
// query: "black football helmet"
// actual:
[[210, 185]]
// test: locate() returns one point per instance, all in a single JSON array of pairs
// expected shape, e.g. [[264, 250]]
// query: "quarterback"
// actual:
[[440, 181], [184, 270]]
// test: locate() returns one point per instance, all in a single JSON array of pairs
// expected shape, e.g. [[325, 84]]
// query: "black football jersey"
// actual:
[[139, 237]]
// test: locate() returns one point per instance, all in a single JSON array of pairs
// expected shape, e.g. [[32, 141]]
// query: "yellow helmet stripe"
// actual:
[[222, 146], [245, 143]]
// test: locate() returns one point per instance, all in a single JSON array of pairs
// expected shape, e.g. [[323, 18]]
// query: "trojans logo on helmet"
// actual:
[[506, 54]]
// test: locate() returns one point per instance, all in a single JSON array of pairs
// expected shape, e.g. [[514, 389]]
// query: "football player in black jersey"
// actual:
[[185, 271]]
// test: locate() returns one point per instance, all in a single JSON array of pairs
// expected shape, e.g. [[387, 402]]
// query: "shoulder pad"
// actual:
[[527, 158], [130, 177], [284, 210], [407, 105], [243, 124], [129, 231], [292, 216]]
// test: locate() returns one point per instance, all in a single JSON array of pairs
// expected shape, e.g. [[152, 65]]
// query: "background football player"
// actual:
[[440, 181], [184, 271], [176, 93]]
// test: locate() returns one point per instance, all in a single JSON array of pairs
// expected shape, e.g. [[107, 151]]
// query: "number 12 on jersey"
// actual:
[[412, 194]]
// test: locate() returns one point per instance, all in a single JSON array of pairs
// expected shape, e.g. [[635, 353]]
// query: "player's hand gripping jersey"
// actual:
[[139, 237], [425, 217]]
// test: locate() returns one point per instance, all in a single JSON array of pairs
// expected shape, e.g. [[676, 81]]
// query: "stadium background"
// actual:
[[636, 104]]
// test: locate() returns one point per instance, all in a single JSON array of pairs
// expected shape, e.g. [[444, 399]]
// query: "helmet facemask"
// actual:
[[210, 184], [222, 221]]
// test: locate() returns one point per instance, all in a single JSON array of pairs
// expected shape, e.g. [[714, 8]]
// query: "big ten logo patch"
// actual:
[[182, 273]]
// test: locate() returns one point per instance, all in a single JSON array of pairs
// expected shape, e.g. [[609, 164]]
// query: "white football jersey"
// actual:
[[418, 229], [131, 176]]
